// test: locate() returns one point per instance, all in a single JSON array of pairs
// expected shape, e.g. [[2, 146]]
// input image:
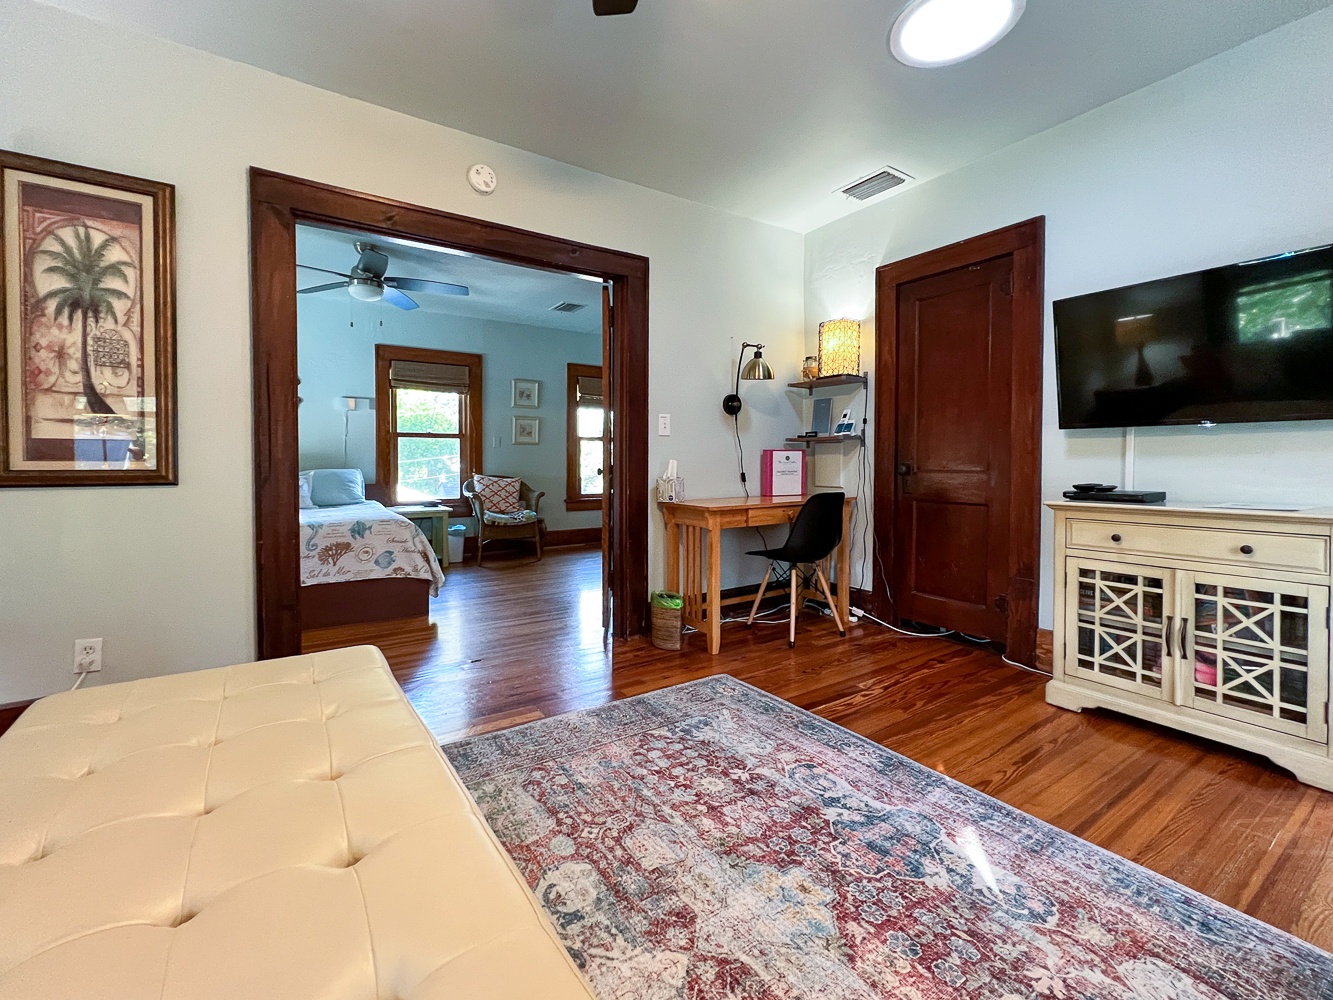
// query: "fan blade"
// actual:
[[396, 298], [605, 8], [323, 270], [321, 288], [372, 262], [424, 285]]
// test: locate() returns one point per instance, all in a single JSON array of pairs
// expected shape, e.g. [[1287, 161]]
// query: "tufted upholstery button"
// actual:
[[293, 812]]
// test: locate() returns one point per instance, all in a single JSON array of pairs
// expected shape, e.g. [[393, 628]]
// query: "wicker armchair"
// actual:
[[530, 499]]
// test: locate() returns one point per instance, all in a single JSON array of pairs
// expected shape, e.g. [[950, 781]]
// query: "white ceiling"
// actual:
[[760, 107], [499, 291]]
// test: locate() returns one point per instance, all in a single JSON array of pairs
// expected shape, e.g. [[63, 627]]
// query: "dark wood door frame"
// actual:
[[277, 203], [1026, 242]]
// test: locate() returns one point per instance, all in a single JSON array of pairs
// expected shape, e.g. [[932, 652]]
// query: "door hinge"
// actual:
[[1008, 287], [1002, 604]]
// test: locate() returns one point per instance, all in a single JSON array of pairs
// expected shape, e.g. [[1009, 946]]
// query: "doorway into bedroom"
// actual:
[[453, 441]]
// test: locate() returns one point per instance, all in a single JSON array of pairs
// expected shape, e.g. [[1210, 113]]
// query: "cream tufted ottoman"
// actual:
[[277, 830]]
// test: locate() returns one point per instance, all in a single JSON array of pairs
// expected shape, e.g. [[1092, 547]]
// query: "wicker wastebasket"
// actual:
[[666, 610]]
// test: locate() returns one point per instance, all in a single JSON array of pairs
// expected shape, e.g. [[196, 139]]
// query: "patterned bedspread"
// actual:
[[364, 541]]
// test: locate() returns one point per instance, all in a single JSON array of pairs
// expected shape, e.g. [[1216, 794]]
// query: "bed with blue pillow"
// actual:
[[360, 561]]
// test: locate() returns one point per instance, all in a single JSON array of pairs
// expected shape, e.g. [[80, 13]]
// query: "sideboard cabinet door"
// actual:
[[1119, 624], [1257, 652]]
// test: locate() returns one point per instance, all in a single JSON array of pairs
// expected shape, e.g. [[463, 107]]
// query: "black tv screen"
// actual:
[[1248, 342]]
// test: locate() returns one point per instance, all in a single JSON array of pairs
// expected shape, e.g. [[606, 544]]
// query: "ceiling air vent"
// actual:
[[877, 183], [568, 307]]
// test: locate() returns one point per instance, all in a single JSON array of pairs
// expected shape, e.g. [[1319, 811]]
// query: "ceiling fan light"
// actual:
[[932, 33], [364, 290]]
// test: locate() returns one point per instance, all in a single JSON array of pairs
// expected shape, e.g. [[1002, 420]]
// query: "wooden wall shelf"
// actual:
[[829, 382], [859, 439]]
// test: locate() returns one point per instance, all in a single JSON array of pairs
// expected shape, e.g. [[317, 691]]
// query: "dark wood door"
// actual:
[[951, 515]]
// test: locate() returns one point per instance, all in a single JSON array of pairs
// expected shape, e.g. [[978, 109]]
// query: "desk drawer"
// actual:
[[1271, 550]]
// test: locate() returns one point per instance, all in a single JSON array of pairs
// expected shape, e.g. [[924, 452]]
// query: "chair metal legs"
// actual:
[[754, 608]]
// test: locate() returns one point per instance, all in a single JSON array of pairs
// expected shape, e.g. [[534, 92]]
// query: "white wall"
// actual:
[[1227, 161], [166, 575], [336, 358]]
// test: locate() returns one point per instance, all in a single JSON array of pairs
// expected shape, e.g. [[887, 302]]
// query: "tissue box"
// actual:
[[782, 473]]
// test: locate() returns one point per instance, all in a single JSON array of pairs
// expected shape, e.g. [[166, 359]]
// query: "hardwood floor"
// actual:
[[516, 641]]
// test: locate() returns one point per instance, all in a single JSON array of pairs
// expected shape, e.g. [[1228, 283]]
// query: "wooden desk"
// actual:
[[701, 582]]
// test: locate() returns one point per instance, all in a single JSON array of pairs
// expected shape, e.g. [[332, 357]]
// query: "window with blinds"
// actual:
[[586, 429], [433, 428]]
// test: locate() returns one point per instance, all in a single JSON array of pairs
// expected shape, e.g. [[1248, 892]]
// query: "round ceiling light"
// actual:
[[943, 32]]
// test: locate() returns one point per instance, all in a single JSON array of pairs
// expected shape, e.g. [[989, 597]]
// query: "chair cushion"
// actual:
[[500, 493], [519, 517], [286, 829]]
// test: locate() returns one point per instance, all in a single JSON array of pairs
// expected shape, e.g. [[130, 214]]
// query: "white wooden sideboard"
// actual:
[[1210, 620]]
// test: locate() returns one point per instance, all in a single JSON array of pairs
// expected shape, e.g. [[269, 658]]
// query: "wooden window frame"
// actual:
[[575, 499], [472, 430]]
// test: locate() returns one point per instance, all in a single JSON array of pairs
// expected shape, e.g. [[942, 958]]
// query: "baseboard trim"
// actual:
[[10, 713], [572, 536]]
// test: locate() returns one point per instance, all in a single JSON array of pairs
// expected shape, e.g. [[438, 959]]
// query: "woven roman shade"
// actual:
[[428, 376], [590, 390]]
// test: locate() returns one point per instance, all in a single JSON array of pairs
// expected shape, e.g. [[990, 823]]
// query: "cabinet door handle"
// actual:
[[1168, 635], [1184, 628], [1247, 550], [1117, 539]]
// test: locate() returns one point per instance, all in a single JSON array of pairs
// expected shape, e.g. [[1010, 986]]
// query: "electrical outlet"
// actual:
[[664, 425], [87, 656]]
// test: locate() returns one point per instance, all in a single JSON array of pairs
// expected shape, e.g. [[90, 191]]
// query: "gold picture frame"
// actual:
[[87, 326]]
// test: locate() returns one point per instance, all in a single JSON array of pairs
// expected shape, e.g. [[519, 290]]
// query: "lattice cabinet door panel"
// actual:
[[1256, 651], [1118, 620]]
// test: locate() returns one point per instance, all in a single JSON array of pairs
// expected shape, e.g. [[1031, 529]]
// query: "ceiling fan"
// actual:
[[606, 8], [368, 282]]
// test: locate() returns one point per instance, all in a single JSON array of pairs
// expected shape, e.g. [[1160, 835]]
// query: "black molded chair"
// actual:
[[814, 535]]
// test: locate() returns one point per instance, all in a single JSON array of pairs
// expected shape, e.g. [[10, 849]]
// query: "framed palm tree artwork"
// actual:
[[87, 326]]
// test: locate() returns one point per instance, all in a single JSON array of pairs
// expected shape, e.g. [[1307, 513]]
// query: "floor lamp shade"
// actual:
[[840, 347]]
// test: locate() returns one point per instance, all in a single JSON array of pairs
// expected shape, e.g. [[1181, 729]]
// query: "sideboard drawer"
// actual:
[[1271, 550]]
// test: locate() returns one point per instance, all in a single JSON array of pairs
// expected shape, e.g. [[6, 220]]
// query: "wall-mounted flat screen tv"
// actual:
[[1248, 342]]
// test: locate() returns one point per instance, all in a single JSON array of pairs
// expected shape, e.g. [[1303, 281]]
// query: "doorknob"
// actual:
[[905, 469]]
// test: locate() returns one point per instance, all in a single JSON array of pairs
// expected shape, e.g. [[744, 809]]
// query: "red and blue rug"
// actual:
[[711, 841]]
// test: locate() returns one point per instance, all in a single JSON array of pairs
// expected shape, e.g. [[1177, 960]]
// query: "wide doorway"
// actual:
[[405, 417]]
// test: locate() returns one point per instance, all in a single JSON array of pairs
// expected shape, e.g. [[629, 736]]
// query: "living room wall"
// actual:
[[166, 575], [336, 359], [1226, 161]]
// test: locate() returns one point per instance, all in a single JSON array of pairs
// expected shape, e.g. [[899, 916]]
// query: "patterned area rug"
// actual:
[[711, 841]]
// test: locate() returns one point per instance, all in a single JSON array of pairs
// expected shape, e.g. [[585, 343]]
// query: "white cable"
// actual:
[[78, 683], [1022, 666]]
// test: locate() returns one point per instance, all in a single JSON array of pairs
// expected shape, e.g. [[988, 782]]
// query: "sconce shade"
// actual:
[[757, 369], [840, 347]]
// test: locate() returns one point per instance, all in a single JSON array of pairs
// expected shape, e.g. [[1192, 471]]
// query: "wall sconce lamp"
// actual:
[[756, 370], [840, 347], [359, 402]]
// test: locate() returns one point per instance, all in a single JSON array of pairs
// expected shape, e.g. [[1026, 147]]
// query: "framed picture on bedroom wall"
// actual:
[[527, 430], [527, 392], [87, 326]]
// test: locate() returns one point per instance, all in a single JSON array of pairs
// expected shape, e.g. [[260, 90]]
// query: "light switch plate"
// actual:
[[664, 425]]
